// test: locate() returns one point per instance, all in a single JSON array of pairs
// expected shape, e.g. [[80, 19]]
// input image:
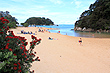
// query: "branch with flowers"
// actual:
[[14, 57]]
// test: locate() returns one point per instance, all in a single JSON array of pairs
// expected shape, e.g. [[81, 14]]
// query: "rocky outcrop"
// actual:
[[90, 30]]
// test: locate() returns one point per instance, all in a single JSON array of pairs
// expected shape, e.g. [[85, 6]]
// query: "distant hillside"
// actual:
[[39, 21], [97, 17]]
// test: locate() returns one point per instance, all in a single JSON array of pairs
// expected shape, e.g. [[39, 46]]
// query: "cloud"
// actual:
[[59, 11], [56, 1], [77, 3], [72, 2], [22, 0]]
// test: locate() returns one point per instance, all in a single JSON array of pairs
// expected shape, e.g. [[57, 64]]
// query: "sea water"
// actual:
[[66, 29]]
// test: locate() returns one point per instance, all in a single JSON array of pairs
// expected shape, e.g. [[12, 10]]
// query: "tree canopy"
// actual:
[[12, 20], [39, 21], [6, 15], [97, 17]]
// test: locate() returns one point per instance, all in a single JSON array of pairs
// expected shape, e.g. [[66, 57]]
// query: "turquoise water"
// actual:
[[65, 29]]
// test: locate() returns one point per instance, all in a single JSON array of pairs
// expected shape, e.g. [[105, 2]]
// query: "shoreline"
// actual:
[[91, 34], [66, 55]]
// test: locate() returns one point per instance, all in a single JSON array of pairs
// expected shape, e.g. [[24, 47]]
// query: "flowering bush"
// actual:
[[14, 57]]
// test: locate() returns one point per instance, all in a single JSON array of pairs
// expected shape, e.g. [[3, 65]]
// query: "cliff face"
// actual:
[[90, 30]]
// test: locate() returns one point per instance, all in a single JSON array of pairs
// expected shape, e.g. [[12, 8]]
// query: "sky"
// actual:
[[59, 11]]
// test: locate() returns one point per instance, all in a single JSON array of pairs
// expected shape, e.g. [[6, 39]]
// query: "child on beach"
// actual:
[[80, 41]]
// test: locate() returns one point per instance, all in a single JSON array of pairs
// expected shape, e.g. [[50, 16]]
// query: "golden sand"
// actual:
[[66, 55]]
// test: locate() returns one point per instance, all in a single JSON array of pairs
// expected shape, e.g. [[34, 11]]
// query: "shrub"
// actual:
[[12, 25], [26, 25], [14, 57], [22, 24]]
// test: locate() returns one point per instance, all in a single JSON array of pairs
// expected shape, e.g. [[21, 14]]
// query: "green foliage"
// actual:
[[12, 25], [22, 23], [14, 57], [26, 25], [12, 20], [9, 17], [97, 17], [2, 64], [39, 21]]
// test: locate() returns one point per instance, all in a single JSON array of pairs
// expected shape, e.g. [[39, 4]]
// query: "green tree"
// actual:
[[12, 25], [26, 24], [39, 21], [97, 17]]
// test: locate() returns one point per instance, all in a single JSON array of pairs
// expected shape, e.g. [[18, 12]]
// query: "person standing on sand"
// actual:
[[80, 41]]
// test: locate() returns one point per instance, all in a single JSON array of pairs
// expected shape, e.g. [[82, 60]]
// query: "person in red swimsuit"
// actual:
[[80, 41]]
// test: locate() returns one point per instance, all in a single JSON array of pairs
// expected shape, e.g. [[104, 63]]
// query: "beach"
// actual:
[[64, 54]]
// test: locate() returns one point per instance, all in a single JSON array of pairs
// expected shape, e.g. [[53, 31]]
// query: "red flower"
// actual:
[[25, 53], [32, 36], [30, 42], [8, 27], [8, 40], [19, 67], [19, 70], [14, 54], [33, 60], [30, 54], [35, 38], [2, 18], [15, 64], [33, 71], [18, 63], [24, 50], [22, 54], [35, 52], [7, 21], [7, 43], [1, 32], [26, 43], [25, 56], [3, 22], [38, 59], [21, 48], [15, 68], [1, 48], [6, 47], [26, 59], [10, 49], [3, 27], [34, 43], [39, 39]]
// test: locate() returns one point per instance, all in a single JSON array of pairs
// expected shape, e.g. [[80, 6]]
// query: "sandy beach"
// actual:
[[64, 54]]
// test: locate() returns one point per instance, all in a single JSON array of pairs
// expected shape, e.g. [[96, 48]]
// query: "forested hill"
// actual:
[[97, 17], [39, 21]]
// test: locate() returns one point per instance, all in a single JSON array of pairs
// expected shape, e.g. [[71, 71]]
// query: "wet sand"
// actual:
[[66, 55]]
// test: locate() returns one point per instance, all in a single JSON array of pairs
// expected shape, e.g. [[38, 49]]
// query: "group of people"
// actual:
[[40, 30], [26, 32], [52, 38]]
